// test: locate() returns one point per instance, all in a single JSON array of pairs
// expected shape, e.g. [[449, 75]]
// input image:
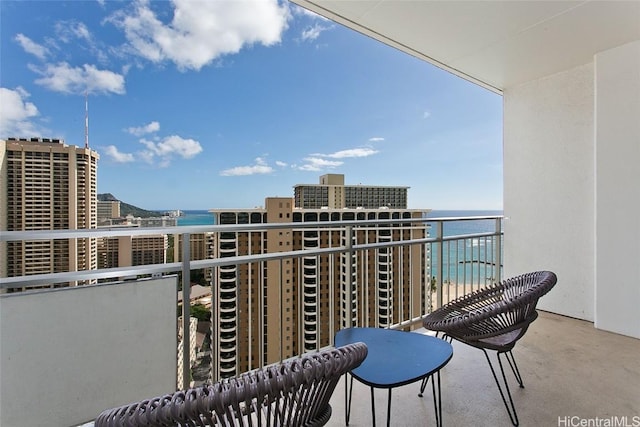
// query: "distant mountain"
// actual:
[[127, 209]]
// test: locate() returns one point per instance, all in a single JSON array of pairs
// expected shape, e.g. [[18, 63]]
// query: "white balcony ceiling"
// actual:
[[497, 44]]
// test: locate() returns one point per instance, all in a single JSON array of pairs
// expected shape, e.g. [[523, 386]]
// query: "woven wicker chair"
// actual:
[[495, 318], [292, 393]]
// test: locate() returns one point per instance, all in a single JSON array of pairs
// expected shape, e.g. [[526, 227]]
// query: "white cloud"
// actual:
[[32, 47], [159, 151], [426, 115], [312, 33], [16, 114], [200, 32], [353, 152], [78, 33], [117, 156], [318, 161], [169, 147], [281, 164], [142, 130], [317, 164], [81, 31], [69, 30], [376, 139], [260, 167], [146, 156], [75, 80]]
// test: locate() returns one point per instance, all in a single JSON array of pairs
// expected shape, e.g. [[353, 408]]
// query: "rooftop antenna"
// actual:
[[86, 119]]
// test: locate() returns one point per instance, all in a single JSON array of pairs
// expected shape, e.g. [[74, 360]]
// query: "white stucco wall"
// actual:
[[68, 354], [549, 186], [617, 162]]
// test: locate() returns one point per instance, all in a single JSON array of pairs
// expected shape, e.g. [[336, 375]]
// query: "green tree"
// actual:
[[200, 312], [197, 276], [170, 243], [434, 283]]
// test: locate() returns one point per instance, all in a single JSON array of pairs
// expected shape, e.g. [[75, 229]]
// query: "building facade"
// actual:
[[107, 210], [332, 193], [126, 251], [271, 310], [201, 246], [47, 185]]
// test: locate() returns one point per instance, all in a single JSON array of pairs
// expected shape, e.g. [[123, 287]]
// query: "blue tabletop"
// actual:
[[395, 358]]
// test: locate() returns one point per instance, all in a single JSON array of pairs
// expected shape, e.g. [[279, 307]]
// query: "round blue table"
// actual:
[[396, 358]]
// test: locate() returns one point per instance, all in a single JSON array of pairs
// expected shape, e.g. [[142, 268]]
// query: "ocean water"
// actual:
[[196, 217], [469, 261]]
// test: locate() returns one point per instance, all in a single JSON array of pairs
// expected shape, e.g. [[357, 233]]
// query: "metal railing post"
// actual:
[[440, 274], [282, 315], [349, 267], [498, 250], [186, 308]]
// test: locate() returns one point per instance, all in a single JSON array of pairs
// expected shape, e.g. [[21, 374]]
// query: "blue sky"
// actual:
[[219, 104]]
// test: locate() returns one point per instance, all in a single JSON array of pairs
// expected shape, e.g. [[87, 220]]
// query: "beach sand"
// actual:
[[452, 291]]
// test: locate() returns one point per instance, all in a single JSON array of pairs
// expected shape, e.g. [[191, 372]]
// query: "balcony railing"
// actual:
[[324, 276]]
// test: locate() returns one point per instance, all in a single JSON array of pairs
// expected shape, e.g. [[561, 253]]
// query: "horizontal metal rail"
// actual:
[[10, 236], [153, 269], [124, 272]]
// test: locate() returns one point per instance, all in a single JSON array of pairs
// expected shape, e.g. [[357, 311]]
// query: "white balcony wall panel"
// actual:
[[68, 354], [617, 88], [549, 186]]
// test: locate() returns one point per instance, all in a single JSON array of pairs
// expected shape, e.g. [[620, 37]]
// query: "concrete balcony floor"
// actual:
[[569, 369]]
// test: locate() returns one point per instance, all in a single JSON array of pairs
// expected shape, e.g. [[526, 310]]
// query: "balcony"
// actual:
[[568, 72], [569, 370], [558, 357]]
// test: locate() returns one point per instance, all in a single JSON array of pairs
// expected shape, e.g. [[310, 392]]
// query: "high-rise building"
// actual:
[[125, 251], [331, 192], [200, 247], [276, 309], [107, 210], [47, 185]]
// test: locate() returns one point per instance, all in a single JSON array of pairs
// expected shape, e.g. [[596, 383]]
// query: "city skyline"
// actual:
[[215, 105]]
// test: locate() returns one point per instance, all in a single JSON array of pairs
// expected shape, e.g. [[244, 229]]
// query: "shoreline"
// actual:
[[453, 291]]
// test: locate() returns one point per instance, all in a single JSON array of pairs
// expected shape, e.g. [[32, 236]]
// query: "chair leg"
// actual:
[[514, 367], [511, 409]]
